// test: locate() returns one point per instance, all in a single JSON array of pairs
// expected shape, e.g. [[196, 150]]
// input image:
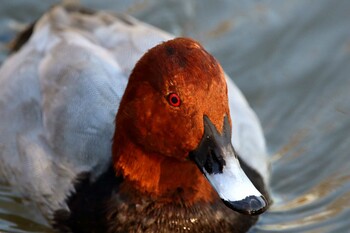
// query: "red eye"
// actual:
[[174, 100]]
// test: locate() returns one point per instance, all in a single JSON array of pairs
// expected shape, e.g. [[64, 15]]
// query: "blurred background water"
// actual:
[[292, 61]]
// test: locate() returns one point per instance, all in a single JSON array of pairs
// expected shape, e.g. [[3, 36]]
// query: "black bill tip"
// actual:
[[252, 205]]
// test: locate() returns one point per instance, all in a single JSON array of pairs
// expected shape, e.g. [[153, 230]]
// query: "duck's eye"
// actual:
[[174, 100]]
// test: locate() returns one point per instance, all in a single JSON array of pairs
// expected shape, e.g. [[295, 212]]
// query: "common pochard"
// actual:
[[111, 125]]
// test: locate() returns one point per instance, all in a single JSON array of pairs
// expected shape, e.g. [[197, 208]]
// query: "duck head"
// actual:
[[173, 131]]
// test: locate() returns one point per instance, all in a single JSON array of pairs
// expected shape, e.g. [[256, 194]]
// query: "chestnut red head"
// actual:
[[173, 119], [170, 90]]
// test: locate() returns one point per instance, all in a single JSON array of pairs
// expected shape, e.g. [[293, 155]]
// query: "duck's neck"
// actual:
[[161, 178]]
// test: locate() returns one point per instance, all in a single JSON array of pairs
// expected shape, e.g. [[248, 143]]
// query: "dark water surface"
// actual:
[[292, 61]]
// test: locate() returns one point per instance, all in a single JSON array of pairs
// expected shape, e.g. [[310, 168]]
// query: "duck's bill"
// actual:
[[218, 161]]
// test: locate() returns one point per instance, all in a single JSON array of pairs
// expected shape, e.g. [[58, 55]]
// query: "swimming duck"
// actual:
[[111, 125]]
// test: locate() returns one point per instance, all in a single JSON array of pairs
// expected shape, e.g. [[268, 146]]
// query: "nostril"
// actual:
[[214, 163], [208, 165]]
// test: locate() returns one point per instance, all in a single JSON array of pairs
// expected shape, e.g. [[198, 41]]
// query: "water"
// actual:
[[292, 61]]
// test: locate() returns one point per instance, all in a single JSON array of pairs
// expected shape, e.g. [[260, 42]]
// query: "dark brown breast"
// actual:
[[101, 207], [145, 215]]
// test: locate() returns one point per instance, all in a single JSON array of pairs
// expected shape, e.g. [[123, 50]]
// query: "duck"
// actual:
[[109, 124]]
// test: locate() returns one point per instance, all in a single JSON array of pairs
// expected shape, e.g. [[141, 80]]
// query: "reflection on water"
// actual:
[[292, 61], [15, 216], [319, 192], [322, 202]]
